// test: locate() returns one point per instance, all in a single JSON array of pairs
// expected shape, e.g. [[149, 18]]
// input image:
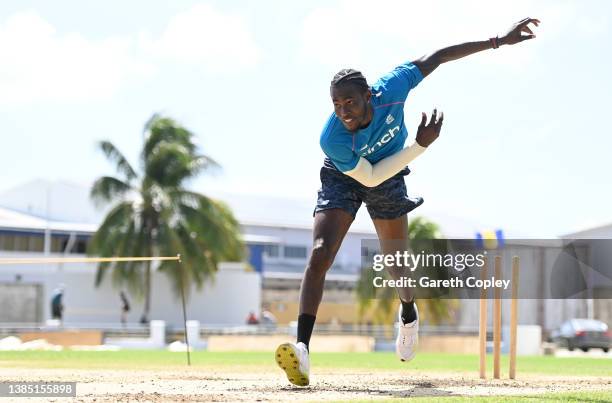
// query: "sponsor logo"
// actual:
[[389, 119], [363, 148], [383, 140]]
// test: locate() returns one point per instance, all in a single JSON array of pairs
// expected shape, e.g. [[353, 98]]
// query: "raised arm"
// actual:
[[430, 62]]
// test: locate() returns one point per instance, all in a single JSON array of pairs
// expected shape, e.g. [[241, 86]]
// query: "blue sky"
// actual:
[[525, 145]]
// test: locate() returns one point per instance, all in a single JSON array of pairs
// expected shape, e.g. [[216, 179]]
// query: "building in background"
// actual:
[[57, 219]]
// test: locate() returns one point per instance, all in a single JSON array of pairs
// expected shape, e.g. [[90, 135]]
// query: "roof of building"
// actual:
[[601, 231], [66, 206], [14, 220]]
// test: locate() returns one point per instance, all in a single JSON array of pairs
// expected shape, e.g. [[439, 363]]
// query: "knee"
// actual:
[[321, 258]]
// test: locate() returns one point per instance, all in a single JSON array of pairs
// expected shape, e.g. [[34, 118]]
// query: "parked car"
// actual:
[[583, 334]]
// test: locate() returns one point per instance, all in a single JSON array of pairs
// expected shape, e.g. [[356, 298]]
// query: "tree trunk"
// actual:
[[147, 303]]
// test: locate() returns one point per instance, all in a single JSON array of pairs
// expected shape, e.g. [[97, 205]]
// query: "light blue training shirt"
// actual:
[[386, 133]]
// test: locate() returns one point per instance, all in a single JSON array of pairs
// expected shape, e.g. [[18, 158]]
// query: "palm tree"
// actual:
[[381, 304], [153, 214]]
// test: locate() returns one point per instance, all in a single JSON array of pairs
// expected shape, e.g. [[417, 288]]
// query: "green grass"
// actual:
[[431, 362], [264, 361]]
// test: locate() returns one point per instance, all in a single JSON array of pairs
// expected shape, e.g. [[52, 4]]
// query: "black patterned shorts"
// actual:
[[385, 201]]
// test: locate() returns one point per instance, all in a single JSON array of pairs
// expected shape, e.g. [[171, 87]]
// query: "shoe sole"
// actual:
[[406, 359], [411, 357], [402, 359], [287, 359]]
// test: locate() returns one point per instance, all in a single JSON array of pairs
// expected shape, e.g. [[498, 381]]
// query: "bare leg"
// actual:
[[393, 237], [330, 227]]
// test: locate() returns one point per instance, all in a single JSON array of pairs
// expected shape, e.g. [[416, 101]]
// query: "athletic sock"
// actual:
[[304, 329], [408, 312]]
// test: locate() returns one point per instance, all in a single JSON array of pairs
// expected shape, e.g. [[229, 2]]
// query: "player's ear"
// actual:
[[368, 95]]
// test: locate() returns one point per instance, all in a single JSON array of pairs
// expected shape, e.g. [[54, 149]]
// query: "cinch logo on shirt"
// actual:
[[383, 140]]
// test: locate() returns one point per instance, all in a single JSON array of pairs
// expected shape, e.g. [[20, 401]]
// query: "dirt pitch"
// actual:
[[207, 385]]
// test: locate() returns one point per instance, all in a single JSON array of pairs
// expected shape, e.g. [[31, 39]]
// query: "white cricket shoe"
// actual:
[[407, 337], [293, 359]]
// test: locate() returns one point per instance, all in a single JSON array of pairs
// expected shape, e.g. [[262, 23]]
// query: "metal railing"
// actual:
[[382, 332]]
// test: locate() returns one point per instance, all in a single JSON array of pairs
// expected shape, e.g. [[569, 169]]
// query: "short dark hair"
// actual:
[[350, 76]]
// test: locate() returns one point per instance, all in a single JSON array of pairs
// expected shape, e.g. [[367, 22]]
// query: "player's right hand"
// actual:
[[429, 132]]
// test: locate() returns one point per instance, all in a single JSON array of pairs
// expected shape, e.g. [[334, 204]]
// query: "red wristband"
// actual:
[[494, 42]]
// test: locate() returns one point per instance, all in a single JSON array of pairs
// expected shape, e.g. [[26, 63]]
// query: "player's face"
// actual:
[[351, 105]]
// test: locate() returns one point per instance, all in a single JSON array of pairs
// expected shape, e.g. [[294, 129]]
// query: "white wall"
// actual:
[[226, 301]]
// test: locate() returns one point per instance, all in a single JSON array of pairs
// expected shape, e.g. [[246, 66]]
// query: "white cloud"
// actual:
[[330, 39], [206, 37], [347, 33], [38, 64]]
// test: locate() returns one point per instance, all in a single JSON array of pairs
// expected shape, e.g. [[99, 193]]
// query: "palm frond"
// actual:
[[198, 263], [149, 123], [111, 232], [212, 221], [130, 273], [121, 163], [167, 219], [204, 162], [108, 188], [170, 164], [163, 129]]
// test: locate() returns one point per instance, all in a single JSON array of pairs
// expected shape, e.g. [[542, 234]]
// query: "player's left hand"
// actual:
[[427, 133], [515, 34]]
